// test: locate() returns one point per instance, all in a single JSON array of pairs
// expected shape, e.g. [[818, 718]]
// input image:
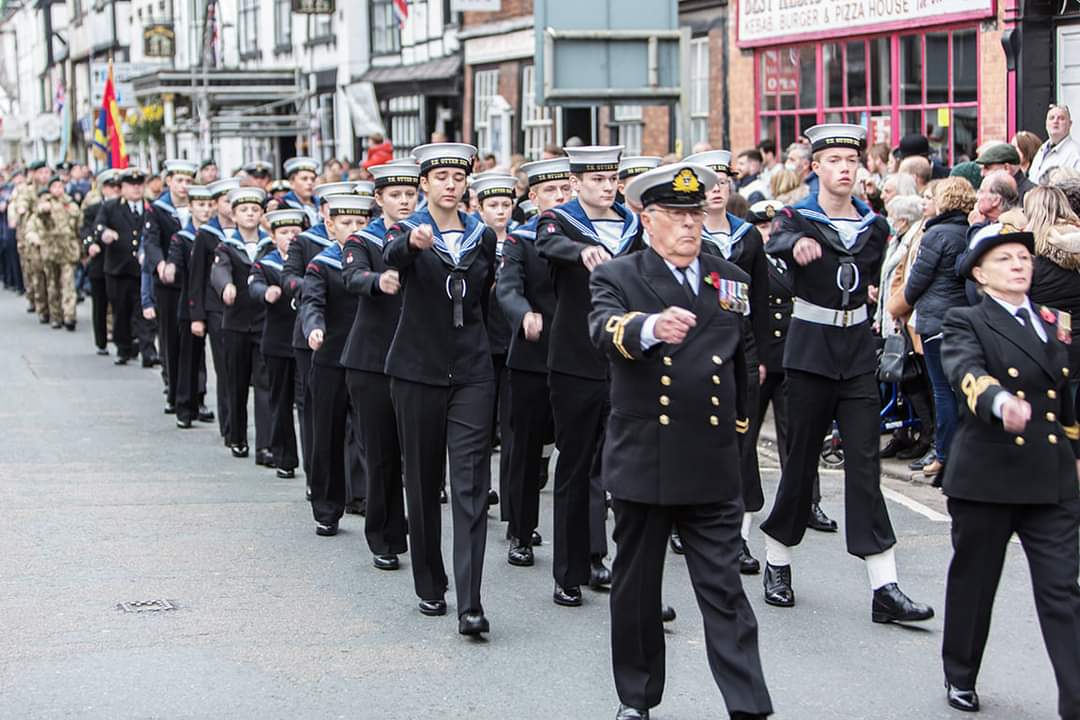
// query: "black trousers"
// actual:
[[123, 295], [772, 390], [710, 534], [216, 336], [376, 427], [282, 377], [190, 357], [99, 310], [146, 332], [854, 402], [580, 408], [502, 421], [246, 368], [980, 536], [530, 427], [302, 400], [433, 421], [329, 412], [355, 472], [168, 307]]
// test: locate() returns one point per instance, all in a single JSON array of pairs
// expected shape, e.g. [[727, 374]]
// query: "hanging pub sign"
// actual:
[[313, 7], [159, 40]]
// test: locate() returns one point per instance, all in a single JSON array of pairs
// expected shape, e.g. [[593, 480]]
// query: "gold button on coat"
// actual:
[[715, 401], [1051, 417], [665, 380], [665, 420], [1052, 439], [665, 400], [667, 362], [1019, 440], [713, 420], [1014, 373], [778, 316], [776, 333], [715, 379], [1065, 372], [717, 360], [1020, 394], [1051, 394]]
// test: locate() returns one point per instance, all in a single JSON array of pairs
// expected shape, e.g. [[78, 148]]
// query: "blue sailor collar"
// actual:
[[165, 202], [470, 236], [188, 231], [527, 230], [273, 260], [213, 226], [232, 237], [293, 200], [575, 215], [319, 235], [331, 256], [375, 232], [810, 209]]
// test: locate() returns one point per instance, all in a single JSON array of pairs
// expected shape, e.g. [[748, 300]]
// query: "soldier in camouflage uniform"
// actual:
[[29, 254], [54, 226]]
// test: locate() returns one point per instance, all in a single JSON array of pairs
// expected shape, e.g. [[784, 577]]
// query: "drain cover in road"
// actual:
[[142, 606]]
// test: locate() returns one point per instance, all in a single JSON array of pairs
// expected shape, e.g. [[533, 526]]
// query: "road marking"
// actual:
[[914, 505]]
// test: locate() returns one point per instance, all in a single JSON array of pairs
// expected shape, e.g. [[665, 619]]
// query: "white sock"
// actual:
[[881, 568], [777, 553], [747, 521]]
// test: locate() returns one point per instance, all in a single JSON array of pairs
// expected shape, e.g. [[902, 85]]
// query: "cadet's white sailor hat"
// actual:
[[836, 135], [717, 160], [594, 158], [296, 164], [251, 194], [109, 176], [528, 207], [133, 176], [350, 205], [325, 190], [364, 187], [223, 186], [494, 185], [279, 185], [199, 192], [763, 211], [988, 237], [636, 164], [444, 155], [181, 167], [259, 167], [287, 218], [682, 184], [542, 171], [398, 172]]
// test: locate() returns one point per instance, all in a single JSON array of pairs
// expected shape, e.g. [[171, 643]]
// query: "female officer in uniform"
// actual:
[[1014, 469]]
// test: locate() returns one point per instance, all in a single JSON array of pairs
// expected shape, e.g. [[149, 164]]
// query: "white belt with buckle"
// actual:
[[810, 312]]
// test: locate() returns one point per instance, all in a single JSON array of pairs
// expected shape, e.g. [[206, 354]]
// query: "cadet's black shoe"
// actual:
[[358, 506], [600, 576], [170, 408], [520, 555], [493, 497], [631, 713], [120, 360], [442, 496], [264, 457], [183, 423], [748, 564], [286, 473], [326, 529], [432, 608], [536, 539], [205, 414], [777, 583], [473, 624], [150, 361], [239, 451], [667, 613], [819, 520], [676, 542], [70, 327], [386, 562], [966, 700], [892, 605], [567, 597], [103, 351]]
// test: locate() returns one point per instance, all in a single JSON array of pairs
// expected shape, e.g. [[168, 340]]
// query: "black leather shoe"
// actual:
[[667, 613], [286, 474], [923, 461], [326, 530], [150, 361], [170, 408], [777, 583], [600, 576], [520, 556], [264, 457], [493, 498], [386, 562], [183, 424], [748, 564], [473, 624], [536, 539], [892, 605], [819, 520], [432, 608], [746, 716], [631, 713], [70, 327], [205, 414], [920, 448], [357, 507], [567, 597], [102, 351], [676, 542], [120, 360], [966, 700], [443, 499], [239, 451], [901, 440]]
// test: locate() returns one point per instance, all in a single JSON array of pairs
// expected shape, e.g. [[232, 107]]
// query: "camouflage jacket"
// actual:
[[22, 205], [55, 229]]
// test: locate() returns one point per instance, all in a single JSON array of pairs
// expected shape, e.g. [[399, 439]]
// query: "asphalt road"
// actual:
[[103, 501]]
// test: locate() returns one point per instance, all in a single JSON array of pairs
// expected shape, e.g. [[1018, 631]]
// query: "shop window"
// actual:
[[880, 75], [536, 120], [699, 90], [320, 27], [385, 31], [403, 118], [911, 69], [965, 66], [630, 125], [485, 88]]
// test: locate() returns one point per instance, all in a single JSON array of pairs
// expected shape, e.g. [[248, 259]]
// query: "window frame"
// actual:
[[283, 31], [247, 30], [628, 128], [380, 33], [699, 90], [486, 80], [401, 114], [537, 121]]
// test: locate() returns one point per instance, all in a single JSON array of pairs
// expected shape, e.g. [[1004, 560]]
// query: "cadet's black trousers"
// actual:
[[328, 408], [302, 400], [190, 350], [710, 534], [580, 408], [374, 423], [433, 420], [814, 400], [530, 423], [502, 422], [99, 310], [246, 368], [980, 537], [282, 377], [216, 336], [167, 299], [123, 293]]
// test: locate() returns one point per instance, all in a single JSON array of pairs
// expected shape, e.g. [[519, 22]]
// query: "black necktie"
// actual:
[[1027, 321], [690, 295]]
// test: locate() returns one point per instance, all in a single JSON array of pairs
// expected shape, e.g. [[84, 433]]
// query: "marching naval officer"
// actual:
[[670, 321]]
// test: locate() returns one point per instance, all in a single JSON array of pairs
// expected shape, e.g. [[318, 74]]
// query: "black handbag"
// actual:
[[892, 359]]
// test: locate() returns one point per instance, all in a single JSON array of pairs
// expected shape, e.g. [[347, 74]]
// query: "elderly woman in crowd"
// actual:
[[896, 185]]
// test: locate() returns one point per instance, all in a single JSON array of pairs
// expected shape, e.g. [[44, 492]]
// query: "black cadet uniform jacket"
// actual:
[[95, 266], [122, 254], [780, 292], [179, 254], [838, 280], [430, 344], [280, 315], [232, 265], [986, 351], [748, 252], [201, 296], [377, 313], [302, 250], [327, 306], [162, 223], [676, 410], [561, 235], [524, 285]]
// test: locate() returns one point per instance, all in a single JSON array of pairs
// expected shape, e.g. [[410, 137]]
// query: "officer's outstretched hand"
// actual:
[[315, 339], [422, 237], [272, 294], [593, 256], [806, 251], [532, 324], [228, 295], [108, 235], [1015, 414], [673, 325], [149, 313], [389, 282]]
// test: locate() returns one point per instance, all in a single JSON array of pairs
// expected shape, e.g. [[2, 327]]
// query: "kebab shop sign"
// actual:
[[766, 22]]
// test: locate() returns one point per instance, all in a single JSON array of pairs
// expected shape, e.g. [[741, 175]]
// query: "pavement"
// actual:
[[103, 501]]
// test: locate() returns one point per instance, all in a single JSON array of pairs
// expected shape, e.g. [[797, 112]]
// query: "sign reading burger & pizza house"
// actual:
[[770, 22]]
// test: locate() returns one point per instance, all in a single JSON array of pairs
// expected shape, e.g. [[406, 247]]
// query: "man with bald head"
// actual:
[[997, 195]]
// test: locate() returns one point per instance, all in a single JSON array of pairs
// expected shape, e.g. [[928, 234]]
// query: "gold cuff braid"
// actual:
[[973, 387]]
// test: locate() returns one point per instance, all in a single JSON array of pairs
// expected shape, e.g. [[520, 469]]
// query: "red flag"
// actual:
[[401, 11], [109, 135]]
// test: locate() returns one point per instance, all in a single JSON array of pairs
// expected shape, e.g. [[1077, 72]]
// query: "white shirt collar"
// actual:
[[1011, 309], [693, 273]]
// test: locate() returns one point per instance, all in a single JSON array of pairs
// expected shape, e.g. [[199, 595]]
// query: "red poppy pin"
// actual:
[[348, 259], [1048, 315]]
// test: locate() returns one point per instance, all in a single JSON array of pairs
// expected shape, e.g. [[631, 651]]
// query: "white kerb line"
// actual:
[[914, 505]]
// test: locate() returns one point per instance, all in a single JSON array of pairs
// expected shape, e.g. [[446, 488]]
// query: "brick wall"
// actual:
[[509, 9], [509, 88], [655, 136], [993, 103]]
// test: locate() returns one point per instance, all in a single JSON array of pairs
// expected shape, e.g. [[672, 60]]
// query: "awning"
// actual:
[[440, 75], [363, 109]]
